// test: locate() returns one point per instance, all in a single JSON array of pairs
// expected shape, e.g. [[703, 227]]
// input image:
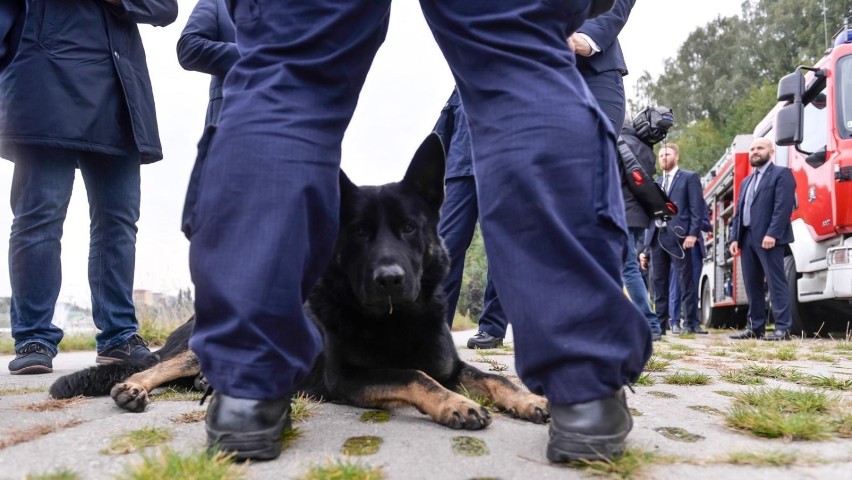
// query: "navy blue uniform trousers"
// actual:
[[266, 215], [759, 263]]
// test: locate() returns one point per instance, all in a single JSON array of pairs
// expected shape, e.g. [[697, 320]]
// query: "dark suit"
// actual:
[[207, 45], [771, 207], [603, 70], [665, 244]]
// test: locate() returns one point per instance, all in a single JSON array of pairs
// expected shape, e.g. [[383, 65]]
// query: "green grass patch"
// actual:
[[645, 381], [766, 371], [495, 365], [18, 390], [671, 355], [469, 446], [725, 393], [289, 437], [719, 353], [134, 440], [686, 336], [77, 342], [681, 347], [821, 357], [480, 398], [168, 464], [360, 446], [687, 378], [343, 470], [741, 378], [829, 382], [376, 416], [176, 394], [303, 407], [763, 459], [62, 474], [629, 464], [787, 414], [656, 365], [786, 353]]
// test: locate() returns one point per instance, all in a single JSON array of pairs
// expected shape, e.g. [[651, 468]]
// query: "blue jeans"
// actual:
[[41, 189], [632, 278]]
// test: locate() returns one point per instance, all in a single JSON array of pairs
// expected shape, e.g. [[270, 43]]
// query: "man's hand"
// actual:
[[643, 261], [734, 248], [689, 242], [768, 242], [579, 45]]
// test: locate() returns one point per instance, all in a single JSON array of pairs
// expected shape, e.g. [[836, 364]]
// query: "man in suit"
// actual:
[[207, 45], [697, 255], [600, 60], [760, 230], [670, 243]]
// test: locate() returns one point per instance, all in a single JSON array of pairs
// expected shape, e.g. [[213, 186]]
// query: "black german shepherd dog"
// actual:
[[380, 309]]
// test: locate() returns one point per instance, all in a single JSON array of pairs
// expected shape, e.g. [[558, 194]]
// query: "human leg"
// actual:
[[674, 301], [41, 189], [459, 214], [753, 280], [779, 293], [688, 294], [661, 268], [492, 321], [265, 219], [113, 190], [608, 89], [570, 245], [634, 284]]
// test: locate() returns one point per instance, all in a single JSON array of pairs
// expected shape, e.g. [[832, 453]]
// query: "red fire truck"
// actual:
[[812, 129]]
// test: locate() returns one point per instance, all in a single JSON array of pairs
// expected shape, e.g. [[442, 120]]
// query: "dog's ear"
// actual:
[[425, 174], [347, 188]]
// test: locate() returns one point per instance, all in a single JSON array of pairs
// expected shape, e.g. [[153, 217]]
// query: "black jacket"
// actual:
[[636, 216], [79, 79]]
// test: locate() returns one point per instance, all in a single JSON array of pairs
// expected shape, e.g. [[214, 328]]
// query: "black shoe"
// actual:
[[694, 330], [676, 330], [134, 348], [249, 429], [746, 334], [589, 431], [32, 358], [777, 335], [484, 341]]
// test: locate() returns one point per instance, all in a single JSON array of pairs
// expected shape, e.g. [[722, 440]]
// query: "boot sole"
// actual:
[[259, 445], [32, 370], [583, 447]]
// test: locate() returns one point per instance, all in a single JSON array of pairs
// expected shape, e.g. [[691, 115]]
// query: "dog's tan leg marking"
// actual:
[[505, 394], [445, 407], [132, 394]]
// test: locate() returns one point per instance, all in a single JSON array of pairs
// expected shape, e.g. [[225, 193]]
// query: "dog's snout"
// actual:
[[389, 279]]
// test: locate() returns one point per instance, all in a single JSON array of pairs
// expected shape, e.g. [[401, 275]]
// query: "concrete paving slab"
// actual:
[[416, 448]]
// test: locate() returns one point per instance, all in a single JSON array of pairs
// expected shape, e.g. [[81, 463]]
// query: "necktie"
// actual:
[[752, 187], [666, 183]]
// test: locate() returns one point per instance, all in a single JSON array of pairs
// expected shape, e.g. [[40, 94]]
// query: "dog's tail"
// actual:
[[96, 381]]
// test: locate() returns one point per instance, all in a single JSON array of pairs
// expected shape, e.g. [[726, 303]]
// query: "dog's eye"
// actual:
[[358, 231], [408, 227]]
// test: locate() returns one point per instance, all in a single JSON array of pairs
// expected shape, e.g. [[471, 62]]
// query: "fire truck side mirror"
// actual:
[[788, 124], [791, 87]]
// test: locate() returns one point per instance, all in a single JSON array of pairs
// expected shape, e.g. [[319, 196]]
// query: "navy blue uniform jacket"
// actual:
[[79, 79], [771, 206], [604, 31], [207, 45], [686, 193]]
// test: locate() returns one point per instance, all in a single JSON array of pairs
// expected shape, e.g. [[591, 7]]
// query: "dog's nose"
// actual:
[[389, 279]]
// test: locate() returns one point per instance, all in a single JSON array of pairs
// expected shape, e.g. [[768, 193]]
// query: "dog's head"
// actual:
[[388, 246]]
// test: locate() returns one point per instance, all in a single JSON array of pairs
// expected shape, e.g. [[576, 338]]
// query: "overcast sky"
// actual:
[[399, 104]]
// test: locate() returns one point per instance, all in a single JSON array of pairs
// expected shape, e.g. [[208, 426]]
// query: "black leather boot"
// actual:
[[250, 429], [593, 430]]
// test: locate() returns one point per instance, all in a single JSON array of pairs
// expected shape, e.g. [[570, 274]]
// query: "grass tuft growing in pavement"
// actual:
[[630, 464], [482, 399], [376, 416], [176, 394], [829, 382], [764, 459], [645, 381], [656, 365], [52, 404], [787, 414], [469, 446], [133, 440], [63, 474], [786, 353], [168, 464], [687, 378], [740, 377], [343, 470], [190, 417], [17, 390], [289, 437], [303, 407]]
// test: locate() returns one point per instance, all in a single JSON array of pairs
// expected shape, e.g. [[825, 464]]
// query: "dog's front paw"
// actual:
[[461, 413], [129, 396], [529, 406]]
